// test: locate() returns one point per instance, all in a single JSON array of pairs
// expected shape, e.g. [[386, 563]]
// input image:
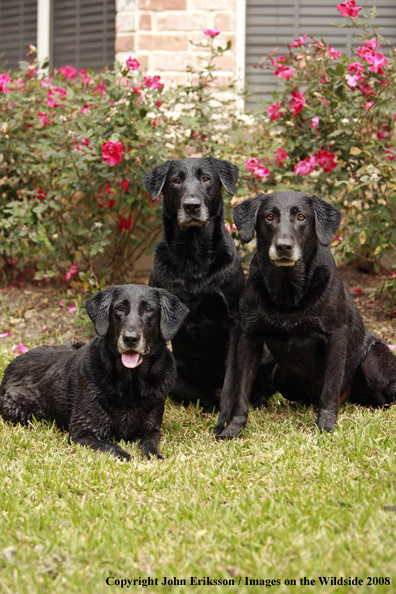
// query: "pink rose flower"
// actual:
[[298, 102], [326, 161], [132, 64], [280, 156], [68, 71], [72, 308], [372, 44], [124, 185], [352, 79], [212, 32], [332, 53], [252, 163], [261, 172], [355, 67], [390, 153], [61, 303], [5, 79], [273, 111], [54, 95], [368, 105], [226, 225], [314, 122], [84, 75], [19, 347], [5, 334], [349, 9], [286, 73], [378, 62], [112, 152], [305, 167], [72, 270], [44, 118], [299, 41], [100, 90], [153, 82]]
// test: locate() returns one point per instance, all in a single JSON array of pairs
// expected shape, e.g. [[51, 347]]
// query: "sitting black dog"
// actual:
[[196, 260], [295, 301], [113, 387]]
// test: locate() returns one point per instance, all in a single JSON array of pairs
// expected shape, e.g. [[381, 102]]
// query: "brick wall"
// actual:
[[157, 34]]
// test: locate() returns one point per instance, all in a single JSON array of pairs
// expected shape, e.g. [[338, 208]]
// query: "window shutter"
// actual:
[[270, 24], [18, 28], [83, 33]]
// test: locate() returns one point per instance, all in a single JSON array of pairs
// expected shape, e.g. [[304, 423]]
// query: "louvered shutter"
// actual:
[[271, 23], [18, 28], [83, 33]]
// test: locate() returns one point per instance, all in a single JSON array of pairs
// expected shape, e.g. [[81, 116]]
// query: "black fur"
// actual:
[[295, 301], [87, 390], [196, 260]]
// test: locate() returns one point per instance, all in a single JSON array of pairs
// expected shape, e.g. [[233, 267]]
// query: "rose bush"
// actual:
[[73, 150], [334, 122]]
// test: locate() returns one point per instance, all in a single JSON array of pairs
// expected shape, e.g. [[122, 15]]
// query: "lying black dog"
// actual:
[[113, 387], [295, 301], [196, 260]]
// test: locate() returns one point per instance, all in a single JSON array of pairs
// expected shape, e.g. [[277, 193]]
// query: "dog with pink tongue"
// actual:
[[111, 389]]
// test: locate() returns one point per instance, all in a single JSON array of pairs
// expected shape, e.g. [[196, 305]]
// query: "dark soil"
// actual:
[[26, 309]]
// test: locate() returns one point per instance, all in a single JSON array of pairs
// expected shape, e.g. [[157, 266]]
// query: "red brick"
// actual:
[[163, 42], [163, 4], [125, 22], [173, 61], [182, 21], [124, 43], [224, 21], [144, 61], [212, 4], [145, 22], [225, 62]]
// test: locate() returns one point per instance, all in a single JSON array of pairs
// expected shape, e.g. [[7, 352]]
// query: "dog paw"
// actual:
[[122, 455], [326, 423], [233, 429]]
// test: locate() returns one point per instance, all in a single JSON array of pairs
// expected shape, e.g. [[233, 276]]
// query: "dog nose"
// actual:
[[283, 247], [131, 338], [192, 205]]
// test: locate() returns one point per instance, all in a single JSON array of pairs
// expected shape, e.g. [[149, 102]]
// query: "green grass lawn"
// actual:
[[281, 503]]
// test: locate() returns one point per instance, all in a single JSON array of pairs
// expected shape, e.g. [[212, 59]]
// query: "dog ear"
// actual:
[[155, 179], [228, 174], [327, 220], [173, 314], [98, 309], [245, 217]]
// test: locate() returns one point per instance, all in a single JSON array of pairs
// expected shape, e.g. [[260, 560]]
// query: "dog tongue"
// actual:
[[130, 359]]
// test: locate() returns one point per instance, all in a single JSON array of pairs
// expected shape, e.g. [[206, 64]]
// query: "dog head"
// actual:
[[288, 224], [192, 188], [135, 319]]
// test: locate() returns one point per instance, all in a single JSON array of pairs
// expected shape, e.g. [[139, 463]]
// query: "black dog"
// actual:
[[196, 260], [295, 301], [113, 387]]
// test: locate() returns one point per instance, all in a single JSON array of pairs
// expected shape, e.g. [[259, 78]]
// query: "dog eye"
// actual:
[[270, 217], [148, 309], [301, 217], [205, 178], [120, 307], [176, 182]]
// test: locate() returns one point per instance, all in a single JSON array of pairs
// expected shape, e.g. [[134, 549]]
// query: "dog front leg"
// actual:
[[329, 400], [101, 446], [228, 391], [149, 444], [249, 355]]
